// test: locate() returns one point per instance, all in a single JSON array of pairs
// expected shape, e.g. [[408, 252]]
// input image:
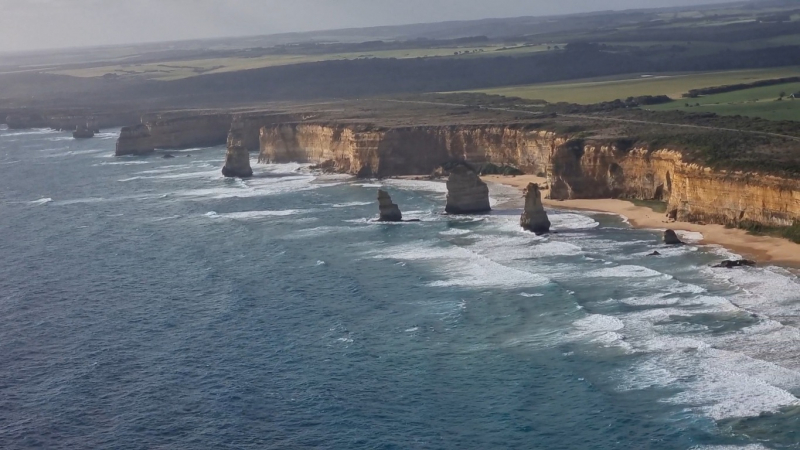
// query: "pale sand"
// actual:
[[759, 248]]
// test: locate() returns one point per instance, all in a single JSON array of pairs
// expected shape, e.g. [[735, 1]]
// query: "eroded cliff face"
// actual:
[[574, 168], [66, 121], [202, 130], [245, 129], [378, 152], [692, 192]]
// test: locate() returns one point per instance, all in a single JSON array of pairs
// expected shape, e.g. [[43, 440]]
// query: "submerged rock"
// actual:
[[534, 218], [237, 163], [168, 156], [730, 264], [389, 211], [466, 192], [654, 254], [671, 238]]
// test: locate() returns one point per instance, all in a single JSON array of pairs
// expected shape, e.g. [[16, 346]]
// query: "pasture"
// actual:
[[608, 89]]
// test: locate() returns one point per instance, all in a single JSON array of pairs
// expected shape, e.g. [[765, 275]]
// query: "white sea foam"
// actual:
[[625, 272], [437, 187], [527, 295], [690, 236], [123, 163], [730, 447], [460, 267], [572, 221], [455, 232], [36, 131], [253, 188], [106, 135], [351, 204], [255, 214], [41, 201]]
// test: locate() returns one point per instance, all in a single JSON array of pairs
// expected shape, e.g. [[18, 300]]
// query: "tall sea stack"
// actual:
[[466, 192], [389, 211], [237, 163], [534, 218]]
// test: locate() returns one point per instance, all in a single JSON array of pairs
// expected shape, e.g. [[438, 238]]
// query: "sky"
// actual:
[[44, 24]]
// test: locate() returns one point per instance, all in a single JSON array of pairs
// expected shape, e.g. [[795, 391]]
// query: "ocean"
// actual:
[[149, 303]]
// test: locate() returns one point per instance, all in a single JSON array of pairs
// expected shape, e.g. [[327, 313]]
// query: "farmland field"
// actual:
[[174, 70], [756, 102], [600, 90]]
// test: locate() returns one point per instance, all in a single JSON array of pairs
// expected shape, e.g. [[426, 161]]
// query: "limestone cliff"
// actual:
[[164, 132], [66, 120], [245, 130], [369, 151], [693, 193], [575, 168]]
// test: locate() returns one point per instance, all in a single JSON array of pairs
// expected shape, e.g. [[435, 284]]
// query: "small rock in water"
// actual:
[[730, 264], [389, 211], [671, 238], [237, 163], [534, 218], [168, 156], [654, 254]]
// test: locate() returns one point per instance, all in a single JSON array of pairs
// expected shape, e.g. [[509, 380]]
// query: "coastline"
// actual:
[[762, 249]]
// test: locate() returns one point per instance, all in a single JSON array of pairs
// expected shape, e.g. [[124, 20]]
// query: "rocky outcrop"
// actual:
[[534, 218], [180, 132], [671, 238], [134, 140], [83, 133], [732, 264], [389, 212], [237, 163], [466, 192]]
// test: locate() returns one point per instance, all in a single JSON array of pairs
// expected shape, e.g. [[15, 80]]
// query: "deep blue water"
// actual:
[[150, 303]]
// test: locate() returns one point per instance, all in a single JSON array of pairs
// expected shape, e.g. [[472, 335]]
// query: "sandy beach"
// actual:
[[763, 249]]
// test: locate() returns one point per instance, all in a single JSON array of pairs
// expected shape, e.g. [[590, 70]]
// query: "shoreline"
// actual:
[[761, 249]]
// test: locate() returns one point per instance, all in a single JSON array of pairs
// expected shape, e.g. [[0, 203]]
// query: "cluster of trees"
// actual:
[[694, 93]]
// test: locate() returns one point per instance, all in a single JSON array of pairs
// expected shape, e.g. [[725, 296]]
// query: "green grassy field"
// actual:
[[600, 90], [174, 70], [757, 102]]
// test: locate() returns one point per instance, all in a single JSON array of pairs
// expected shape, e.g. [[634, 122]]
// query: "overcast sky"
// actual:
[[34, 24]]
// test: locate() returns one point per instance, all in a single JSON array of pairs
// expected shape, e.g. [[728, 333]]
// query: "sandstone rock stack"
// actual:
[[83, 132], [671, 238], [237, 163], [466, 192], [534, 218], [389, 211]]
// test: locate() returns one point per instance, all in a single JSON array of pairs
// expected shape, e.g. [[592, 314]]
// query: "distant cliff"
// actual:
[[164, 132], [64, 120]]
